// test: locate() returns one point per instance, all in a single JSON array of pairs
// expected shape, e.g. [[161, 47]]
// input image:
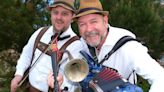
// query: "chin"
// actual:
[[59, 30], [93, 44]]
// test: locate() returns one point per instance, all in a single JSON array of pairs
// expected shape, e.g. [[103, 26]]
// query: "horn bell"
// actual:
[[76, 70]]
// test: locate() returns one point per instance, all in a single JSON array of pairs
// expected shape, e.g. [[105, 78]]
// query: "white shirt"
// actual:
[[131, 56], [39, 74]]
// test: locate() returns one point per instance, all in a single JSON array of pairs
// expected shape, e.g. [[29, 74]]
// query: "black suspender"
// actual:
[[119, 43]]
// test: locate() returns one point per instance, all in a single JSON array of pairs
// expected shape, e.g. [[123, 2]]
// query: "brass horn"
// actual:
[[76, 69]]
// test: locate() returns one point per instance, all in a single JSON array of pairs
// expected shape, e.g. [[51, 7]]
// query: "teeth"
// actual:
[[59, 22], [92, 33]]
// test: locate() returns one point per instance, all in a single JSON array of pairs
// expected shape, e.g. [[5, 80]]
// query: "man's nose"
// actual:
[[89, 27], [58, 16]]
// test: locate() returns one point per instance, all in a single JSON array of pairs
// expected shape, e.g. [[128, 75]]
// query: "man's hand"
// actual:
[[14, 83], [51, 80]]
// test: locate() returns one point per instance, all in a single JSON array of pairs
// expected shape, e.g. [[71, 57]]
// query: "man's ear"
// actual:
[[106, 20]]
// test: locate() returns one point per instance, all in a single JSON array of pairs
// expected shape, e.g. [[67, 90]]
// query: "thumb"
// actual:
[[60, 79]]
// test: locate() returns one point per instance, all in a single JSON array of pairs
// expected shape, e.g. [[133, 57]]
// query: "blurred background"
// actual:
[[20, 18]]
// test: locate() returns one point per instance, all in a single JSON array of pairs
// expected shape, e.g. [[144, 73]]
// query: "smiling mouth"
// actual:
[[91, 34], [59, 23]]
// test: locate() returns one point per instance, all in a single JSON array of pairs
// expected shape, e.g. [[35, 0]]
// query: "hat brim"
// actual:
[[105, 13], [63, 5]]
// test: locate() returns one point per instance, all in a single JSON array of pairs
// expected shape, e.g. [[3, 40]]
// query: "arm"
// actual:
[[14, 83], [146, 66], [24, 62]]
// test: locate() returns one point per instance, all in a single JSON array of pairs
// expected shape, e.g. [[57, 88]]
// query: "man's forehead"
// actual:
[[60, 8], [89, 17]]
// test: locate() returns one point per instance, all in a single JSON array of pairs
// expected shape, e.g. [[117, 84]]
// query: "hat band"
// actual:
[[60, 2], [87, 9]]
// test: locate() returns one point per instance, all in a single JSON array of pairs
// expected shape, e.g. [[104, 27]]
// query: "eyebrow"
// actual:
[[89, 20]]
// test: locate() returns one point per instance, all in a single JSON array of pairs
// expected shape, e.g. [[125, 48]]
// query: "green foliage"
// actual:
[[13, 24], [143, 84], [75, 28], [7, 68], [18, 21], [141, 17]]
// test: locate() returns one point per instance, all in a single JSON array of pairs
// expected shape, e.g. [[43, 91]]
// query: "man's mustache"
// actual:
[[91, 33], [59, 21]]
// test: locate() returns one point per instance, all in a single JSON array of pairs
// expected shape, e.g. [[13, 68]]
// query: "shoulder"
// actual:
[[39, 30], [129, 47], [75, 47], [76, 44], [134, 49], [115, 34], [120, 32]]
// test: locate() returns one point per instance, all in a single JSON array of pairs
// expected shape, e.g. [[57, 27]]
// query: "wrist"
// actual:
[[18, 77]]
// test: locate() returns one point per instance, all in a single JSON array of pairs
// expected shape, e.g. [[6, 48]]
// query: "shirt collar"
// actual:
[[69, 32]]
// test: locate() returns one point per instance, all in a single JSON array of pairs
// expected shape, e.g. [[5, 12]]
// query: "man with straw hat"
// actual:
[[131, 59], [61, 12]]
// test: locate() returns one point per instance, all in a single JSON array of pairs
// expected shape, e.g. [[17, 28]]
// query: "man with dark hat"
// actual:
[[61, 12], [131, 58]]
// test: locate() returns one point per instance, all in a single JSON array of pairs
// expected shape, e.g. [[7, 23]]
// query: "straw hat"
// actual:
[[68, 4], [88, 7]]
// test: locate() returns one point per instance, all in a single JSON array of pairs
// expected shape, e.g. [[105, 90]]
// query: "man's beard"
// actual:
[[94, 44], [90, 34], [60, 31], [59, 21]]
